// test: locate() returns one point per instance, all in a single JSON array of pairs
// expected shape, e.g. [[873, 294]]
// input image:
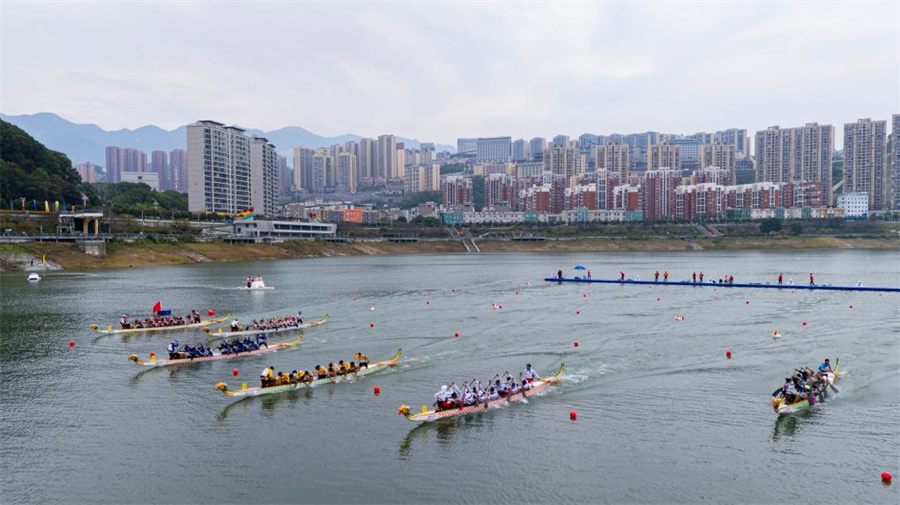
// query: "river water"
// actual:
[[663, 416]]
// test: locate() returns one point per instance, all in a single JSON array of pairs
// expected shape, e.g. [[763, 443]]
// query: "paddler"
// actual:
[[299, 317], [249, 281], [266, 375], [173, 349], [825, 367], [235, 325], [321, 372], [529, 374], [124, 322], [441, 398], [363, 360]]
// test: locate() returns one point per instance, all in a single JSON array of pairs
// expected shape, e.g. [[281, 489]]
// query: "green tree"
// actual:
[[31, 171], [478, 192], [769, 225]]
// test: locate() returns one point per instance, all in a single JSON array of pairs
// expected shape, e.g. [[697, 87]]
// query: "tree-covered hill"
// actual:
[[31, 171]]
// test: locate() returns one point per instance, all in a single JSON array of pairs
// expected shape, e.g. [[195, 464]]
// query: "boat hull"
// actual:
[[436, 415], [372, 368], [217, 357], [121, 331]]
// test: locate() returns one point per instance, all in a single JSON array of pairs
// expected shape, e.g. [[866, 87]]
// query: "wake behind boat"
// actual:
[[806, 388], [257, 284], [282, 383], [160, 323], [276, 325], [473, 401], [182, 357]]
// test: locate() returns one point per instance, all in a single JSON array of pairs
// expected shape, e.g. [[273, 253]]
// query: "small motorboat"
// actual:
[[257, 285], [33, 277]]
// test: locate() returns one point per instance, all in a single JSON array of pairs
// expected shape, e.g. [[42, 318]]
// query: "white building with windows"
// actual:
[[855, 205], [493, 150]]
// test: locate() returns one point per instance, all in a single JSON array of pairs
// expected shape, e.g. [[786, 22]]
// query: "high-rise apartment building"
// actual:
[[423, 178], [399, 161], [664, 155], [385, 157], [865, 161], [159, 160], [796, 154], [87, 172], [735, 137], [365, 158], [538, 145], [466, 146], [456, 191], [719, 155], [115, 164], [521, 150], [303, 168], [427, 153], [560, 160], [178, 166], [321, 171], [499, 189], [284, 176], [658, 190], [895, 161], [560, 141], [613, 157], [218, 168], [690, 152], [493, 149], [264, 177], [346, 173], [135, 160]]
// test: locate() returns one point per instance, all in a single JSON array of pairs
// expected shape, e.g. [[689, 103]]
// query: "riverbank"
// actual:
[[132, 255]]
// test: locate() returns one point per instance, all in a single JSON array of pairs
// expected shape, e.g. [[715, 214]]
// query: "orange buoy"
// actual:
[[376, 390], [886, 477], [71, 344], [728, 354], [573, 415], [235, 372]]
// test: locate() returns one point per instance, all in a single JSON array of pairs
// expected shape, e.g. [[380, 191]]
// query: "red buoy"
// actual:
[[584, 295], [728, 354], [576, 343], [657, 298], [235, 372], [501, 306], [577, 312], [747, 302], [71, 344], [376, 390], [210, 312], [427, 302], [573, 415], [371, 325], [804, 323], [886, 477], [456, 334], [851, 306], [517, 292], [152, 354]]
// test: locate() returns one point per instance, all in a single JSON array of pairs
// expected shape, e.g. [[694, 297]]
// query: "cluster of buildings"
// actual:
[[345, 168], [653, 176], [164, 171]]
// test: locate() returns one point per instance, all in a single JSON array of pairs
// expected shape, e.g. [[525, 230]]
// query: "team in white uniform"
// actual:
[[451, 396]]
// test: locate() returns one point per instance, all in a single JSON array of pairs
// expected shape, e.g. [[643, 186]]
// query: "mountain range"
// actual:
[[88, 142]]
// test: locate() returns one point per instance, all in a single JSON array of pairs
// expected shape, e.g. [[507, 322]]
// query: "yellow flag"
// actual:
[[46, 206]]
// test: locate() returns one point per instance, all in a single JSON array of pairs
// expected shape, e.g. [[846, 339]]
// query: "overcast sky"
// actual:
[[438, 72]]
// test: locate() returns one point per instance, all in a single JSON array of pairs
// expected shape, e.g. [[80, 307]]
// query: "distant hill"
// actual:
[[88, 142], [30, 170]]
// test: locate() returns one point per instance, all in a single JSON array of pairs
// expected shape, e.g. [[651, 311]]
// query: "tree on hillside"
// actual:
[[31, 171]]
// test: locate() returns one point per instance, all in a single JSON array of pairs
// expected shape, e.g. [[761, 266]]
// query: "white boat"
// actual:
[[257, 285], [33, 277]]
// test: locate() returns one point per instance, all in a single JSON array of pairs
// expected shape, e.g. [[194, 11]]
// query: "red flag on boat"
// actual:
[[211, 312], [157, 307]]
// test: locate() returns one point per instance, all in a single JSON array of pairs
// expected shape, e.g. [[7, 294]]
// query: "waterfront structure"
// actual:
[[796, 154], [178, 168], [303, 168], [87, 172], [278, 231], [493, 149], [264, 178], [664, 155], [456, 191], [221, 174], [149, 178], [347, 173], [613, 157], [854, 205], [466, 146], [115, 162], [159, 161], [385, 157], [865, 158]]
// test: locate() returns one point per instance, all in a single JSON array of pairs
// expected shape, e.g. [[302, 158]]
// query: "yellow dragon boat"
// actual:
[[782, 407]]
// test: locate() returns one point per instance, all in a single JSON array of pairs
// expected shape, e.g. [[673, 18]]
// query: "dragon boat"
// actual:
[[216, 356], [122, 331], [781, 406], [284, 388], [435, 415], [217, 335]]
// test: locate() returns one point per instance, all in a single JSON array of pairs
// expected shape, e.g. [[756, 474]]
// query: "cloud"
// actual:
[[441, 71]]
